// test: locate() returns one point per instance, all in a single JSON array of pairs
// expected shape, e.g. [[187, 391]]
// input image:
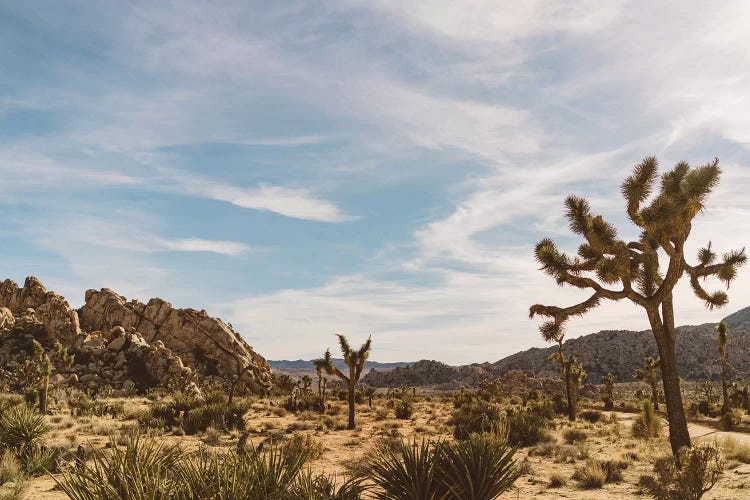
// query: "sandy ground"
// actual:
[[429, 421]]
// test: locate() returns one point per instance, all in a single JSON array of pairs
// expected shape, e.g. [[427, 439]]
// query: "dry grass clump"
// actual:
[[591, 476], [557, 480], [736, 450], [574, 436], [592, 416]]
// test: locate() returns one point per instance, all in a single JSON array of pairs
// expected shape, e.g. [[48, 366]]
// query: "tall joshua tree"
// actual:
[[722, 338], [320, 367], [572, 373], [649, 374], [633, 267], [609, 391], [59, 361], [355, 361]]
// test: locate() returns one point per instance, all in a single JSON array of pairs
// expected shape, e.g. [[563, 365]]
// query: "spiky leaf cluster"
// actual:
[[663, 209]]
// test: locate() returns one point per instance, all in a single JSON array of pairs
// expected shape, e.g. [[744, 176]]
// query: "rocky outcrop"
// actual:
[[201, 341], [124, 344], [51, 309]]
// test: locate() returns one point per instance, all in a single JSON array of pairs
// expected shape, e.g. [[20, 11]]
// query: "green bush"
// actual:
[[574, 436], [592, 416], [475, 416], [403, 409], [526, 427]]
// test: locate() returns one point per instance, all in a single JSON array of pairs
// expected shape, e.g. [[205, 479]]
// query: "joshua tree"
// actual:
[[722, 339], [304, 383], [649, 374], [60, 360], [609, 391], [369, 392], [355, 360], [604, 260], [320, 367], [572, 373]]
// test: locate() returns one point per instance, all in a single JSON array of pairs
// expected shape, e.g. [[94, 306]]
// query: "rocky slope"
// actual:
[[615, 351], [124, 344]]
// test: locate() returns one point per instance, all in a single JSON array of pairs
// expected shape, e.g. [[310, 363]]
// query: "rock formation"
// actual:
[[125, 345]]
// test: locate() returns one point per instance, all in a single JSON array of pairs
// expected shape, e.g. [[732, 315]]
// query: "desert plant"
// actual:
[[736, 450], [474, 415], [592, 416], [525, 427], [688, 476], [574, 436], [591, 476], [609, 391], [557, 480], [665, 225], [355, 360], [571, 371], [649, 374], [403, 409], [144, 469], [479, 468], [722, 339], [60, 360], [647, 424], [21, 428], [309, 486], [10, 468]]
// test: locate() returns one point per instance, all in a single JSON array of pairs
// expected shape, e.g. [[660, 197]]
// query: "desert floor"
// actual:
[[604, 440]]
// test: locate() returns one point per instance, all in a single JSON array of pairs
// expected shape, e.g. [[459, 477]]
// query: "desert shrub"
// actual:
[[16, 492], [725, 422], [704, 408], [10, 469], [42, 460], [592, 416], [9, 400], [381, 413], [21, 428], [403, 409], [647, 424], [574, 436], [304, 445], [736, 450], [591, 476], [525, 427], [220, 416], [480, 467], [699, 468], [473, 415], [82, 405], [556, 480], [305, 402]]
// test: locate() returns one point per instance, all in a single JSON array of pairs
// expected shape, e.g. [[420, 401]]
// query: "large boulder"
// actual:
[[200, 341], [49, 308]]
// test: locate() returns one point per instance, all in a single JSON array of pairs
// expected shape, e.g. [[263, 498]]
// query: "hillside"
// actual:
[[615, 351]]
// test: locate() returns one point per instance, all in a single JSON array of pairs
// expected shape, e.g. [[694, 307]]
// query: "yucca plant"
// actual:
[[144, 469], [21, 428], [649, 374], [252, 475], [479, 468], [321, 486], [407, 472]]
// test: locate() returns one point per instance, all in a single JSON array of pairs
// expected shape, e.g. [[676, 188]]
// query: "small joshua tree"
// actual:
[[60, 361], [355, 361], [722, 339], [369, 392], [609, 391], [320, 368], [649, 374], [615, 269], [572, 373]]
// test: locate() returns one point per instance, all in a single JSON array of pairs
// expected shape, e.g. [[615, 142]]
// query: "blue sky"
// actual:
[[378, 167]]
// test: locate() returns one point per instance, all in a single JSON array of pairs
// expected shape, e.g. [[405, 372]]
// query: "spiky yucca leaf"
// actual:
[[479, 468], [407, 472], [21, 427]]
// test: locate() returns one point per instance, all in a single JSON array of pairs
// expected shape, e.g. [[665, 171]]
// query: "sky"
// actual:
[[376, 167]]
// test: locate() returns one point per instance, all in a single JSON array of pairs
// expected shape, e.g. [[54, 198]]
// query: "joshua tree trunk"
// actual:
[[724, 388], [569, 393], [655, 395], [351, 424], [43, 390], [665, 339]]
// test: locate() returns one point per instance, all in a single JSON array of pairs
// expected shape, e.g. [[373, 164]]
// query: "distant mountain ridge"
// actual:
[[609, 351], [302, 366]]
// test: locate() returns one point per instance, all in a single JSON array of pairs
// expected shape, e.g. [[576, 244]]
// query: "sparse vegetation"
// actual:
[[685, 477]]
